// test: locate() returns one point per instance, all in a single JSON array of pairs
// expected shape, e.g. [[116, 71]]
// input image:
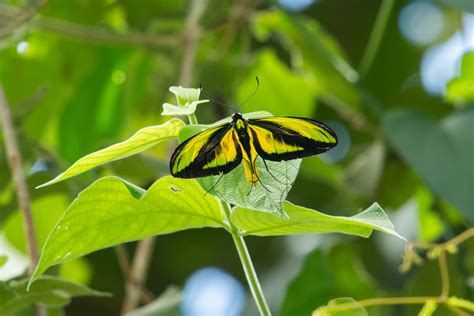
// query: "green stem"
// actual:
[[247, 264], [192, 119], [376, 36]]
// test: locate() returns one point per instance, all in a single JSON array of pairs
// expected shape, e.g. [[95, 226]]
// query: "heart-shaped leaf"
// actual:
[[302, 220], [143, 139], [269, 193], [440, 152], [112, 211]]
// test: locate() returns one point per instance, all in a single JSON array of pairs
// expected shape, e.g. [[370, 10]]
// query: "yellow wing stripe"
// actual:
[[191, 150], [304, 128], [226, 153], [271, 145]]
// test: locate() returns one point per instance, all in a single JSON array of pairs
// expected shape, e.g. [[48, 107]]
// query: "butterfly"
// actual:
[[220, 149]]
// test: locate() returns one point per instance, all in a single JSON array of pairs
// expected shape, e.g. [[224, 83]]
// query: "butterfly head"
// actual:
[[239, 122]]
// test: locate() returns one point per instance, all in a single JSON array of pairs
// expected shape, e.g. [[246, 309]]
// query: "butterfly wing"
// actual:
[[285, 138], [210, 152]]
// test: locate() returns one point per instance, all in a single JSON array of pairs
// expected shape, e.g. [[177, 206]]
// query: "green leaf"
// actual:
[[359, 310], [269, 197], [46, 212], [143, 139], [312, 47], [461, 89], [96, 108], [112, 211], [281, 91], [438, 152], [303, 220], [185, 95], [48, 290], [167, 304], [3, 260], [187, 109], [325, 275]]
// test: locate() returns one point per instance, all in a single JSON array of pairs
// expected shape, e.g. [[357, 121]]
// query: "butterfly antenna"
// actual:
[[251, 95], [211, 99]]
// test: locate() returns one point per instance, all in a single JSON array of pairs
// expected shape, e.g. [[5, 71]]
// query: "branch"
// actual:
[[95, 34], [23, 196], [138, 274], [192, 33], [20, 18], [438, 251]]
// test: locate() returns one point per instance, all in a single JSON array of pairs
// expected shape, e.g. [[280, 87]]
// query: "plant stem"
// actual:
[[375, 37], [23, 196], [247, 264]]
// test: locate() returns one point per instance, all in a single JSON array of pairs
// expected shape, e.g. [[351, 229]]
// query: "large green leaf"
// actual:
[[325, 275], [48, 290], [269, 196], [303, 220], [140, 141], [440, 152], [112, 211]]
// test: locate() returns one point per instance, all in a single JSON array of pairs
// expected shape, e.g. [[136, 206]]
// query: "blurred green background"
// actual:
[[83, 74]]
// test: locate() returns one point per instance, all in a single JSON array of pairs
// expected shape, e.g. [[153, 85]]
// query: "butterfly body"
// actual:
[[220, 149]]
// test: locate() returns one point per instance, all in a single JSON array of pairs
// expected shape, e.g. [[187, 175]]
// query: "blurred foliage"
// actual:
[[86, 74]]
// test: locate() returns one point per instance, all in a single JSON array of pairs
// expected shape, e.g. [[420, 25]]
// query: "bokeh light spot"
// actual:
[[212, 292], [296, 5], [118, 77], [21, 47], [421, 23]]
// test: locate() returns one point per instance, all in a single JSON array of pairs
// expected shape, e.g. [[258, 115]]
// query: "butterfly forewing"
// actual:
[[210, 152], [285, 138]]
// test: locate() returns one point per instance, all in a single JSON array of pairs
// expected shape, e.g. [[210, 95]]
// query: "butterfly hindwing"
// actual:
[[210, 152], [285, 138]]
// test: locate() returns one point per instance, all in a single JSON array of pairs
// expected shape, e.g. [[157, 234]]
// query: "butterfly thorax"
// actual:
[[249, 153]]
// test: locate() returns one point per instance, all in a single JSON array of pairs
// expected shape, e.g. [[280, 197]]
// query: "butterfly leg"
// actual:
[[210, 189], [266, 167]]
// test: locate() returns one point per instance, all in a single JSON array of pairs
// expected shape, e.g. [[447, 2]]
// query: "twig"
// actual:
[[23, 196], [376, 37], [95, 34], [22, 193], [21, 17], [443, 298], [138, 274], [191, 36]]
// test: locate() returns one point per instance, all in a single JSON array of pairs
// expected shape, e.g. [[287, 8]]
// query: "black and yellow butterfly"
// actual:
[[220, 149]]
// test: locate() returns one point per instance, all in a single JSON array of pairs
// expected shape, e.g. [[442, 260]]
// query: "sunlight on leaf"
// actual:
[[111, 212], [461, 89], [303, 220], [140, 141], [48, 290], [233, 188]]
